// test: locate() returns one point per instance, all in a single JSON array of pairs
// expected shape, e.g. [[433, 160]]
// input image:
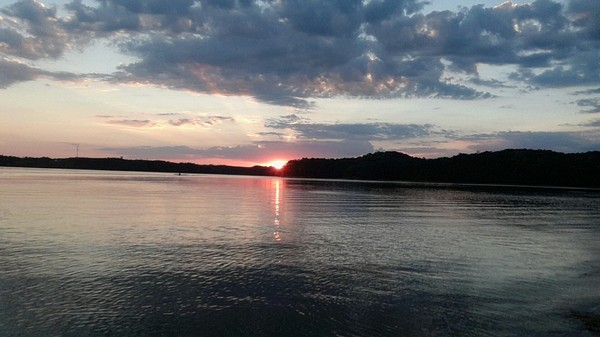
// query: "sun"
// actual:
[[278, 164]]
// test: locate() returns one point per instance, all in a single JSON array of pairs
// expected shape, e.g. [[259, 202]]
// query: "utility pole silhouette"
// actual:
[[76, 150]]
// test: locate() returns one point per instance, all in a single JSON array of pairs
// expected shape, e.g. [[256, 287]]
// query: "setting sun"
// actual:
[[278, 164]]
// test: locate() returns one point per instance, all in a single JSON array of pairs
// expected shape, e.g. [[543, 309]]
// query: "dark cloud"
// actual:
[[316, 148], [568, 142], [286, 121], [12, 72], [349, 131], [289, 52], [203, 121], [35, 32], [586, 15], [490, 83], [592, 103], [581, 68], [256, 152], [588, 92], [593, 123], [270, 133], [109, 16]]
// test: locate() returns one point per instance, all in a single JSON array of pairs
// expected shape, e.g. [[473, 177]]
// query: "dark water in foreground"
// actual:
[[87, 253]]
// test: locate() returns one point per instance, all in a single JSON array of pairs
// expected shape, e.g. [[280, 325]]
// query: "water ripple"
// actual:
[[156, 255]]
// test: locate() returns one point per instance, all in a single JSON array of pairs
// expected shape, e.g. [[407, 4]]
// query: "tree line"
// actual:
[[514, 166], [509, 167], [119, 164]]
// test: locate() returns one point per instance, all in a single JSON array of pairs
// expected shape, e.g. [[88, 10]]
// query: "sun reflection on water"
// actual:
[[276, 221]]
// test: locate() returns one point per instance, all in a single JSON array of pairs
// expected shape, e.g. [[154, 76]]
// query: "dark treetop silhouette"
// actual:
[[519, 167]]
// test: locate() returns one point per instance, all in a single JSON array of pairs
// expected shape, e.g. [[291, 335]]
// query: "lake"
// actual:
[[92, 253]]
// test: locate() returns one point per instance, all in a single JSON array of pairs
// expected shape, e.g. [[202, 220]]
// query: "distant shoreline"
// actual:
[[507, 168], [119, 164]]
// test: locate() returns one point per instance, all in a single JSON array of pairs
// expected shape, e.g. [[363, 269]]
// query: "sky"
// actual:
[[246, 82]]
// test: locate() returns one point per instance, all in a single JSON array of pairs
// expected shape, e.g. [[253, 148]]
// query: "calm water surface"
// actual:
[[88, 253]]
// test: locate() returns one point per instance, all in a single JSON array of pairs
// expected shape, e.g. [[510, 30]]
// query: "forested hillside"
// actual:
[[522, 167]]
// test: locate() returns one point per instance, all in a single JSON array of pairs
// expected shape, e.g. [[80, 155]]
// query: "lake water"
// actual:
[[89, 253]]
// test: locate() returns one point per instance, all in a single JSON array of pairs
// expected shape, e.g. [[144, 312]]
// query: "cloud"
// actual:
[[593, 123], [581, 68], [586, 16], [285, 121], [568, 142], [270, 133], [33, 31], [110, 16], [264, 151], [490, 83], [291, 52], [202, 121], [134, 123], [348, 131], [594, 103], [182, 122], [12, 72], [588, 92], [15, 72], [256, 152]]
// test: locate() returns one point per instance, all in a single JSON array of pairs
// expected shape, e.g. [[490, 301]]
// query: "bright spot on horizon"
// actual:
[[278, 164]]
